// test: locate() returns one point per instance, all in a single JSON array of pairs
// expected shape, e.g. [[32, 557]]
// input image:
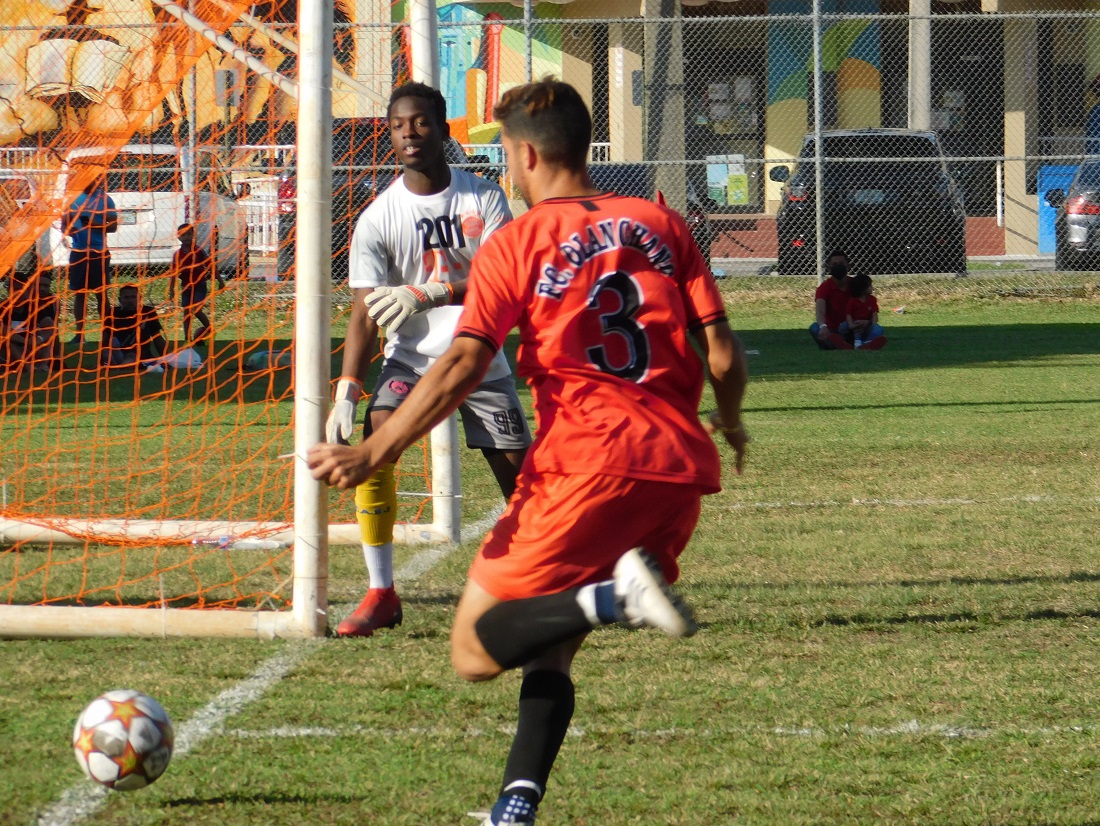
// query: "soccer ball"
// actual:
[[123, 740]]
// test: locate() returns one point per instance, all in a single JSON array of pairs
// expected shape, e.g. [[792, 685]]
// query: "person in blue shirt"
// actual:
[[1092, 126], [89, 219]]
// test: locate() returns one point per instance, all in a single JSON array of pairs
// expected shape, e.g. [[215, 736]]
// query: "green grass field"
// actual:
[[899, 600]]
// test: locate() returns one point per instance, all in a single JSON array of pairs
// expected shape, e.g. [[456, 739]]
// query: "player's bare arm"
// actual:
[[819, 316], [360, 339], [728, 372], [454, 375]]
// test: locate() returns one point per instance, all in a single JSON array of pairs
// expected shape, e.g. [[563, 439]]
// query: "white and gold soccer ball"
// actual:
[[123, 740]]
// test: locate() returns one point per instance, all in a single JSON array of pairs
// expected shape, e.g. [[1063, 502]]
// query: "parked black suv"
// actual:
[[363, 165], [636, 180], [890, 203]]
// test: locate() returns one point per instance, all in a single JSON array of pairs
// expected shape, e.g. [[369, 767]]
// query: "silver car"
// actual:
[[1077, 224]]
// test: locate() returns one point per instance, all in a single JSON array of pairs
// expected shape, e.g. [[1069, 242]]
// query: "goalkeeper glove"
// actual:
[[393, 306], [341, 419]]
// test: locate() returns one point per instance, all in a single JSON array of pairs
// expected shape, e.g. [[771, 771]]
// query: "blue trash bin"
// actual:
[[1051, 177]]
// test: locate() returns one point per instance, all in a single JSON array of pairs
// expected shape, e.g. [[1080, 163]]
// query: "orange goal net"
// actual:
[[147, 419]]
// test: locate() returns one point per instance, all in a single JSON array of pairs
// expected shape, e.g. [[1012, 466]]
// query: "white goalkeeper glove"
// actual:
[[341, 419], [393, 306]]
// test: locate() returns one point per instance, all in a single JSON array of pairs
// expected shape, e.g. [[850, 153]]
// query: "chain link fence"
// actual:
[[938, 144], [942, 146]]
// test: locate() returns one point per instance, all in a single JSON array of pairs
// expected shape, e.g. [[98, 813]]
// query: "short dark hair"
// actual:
[[437, 103], [835, 253], [125, 287], [861, 283], [551, 115]]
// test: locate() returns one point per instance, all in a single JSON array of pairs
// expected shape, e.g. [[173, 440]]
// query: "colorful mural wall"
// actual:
[[96, 65], [850, 62], [482, 54]]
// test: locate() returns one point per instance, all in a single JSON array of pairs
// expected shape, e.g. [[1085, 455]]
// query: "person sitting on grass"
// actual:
[[32, 317], [131, 331], [830, 329], [192, 265], [862, 315]]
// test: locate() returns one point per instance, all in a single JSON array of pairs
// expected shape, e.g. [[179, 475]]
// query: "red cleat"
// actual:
[[380, 608], [876, 343]]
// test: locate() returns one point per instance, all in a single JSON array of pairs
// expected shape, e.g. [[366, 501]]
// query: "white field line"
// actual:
[[908, 728], [82, 800]]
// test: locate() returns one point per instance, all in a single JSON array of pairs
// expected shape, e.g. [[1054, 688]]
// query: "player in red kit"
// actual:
[[608, 293]]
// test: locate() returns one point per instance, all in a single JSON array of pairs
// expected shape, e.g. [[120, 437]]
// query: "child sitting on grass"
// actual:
[[863, 315]]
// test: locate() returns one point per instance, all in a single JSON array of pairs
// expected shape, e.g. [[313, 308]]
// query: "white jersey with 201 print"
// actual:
[[404, 238]]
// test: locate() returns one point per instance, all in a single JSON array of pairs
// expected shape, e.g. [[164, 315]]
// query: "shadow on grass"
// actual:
[[1025, 403], [957, 617], [792, 354], [1076, 577], [226, 377]]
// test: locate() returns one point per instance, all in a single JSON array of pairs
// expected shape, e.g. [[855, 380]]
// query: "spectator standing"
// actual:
[[131, 331], [1092, 125], [194, 268], [88, 221], [862, 315]]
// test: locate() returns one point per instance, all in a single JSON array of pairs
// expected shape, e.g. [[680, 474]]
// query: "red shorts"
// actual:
[[564, 530]]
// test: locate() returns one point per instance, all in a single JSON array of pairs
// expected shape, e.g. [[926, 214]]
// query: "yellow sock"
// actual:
[[376, 507]]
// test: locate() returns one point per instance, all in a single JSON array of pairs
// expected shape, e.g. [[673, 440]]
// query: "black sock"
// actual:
[[518, 630], [545, 709]]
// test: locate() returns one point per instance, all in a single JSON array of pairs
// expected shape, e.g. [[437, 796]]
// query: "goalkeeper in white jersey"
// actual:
[[409, 263]]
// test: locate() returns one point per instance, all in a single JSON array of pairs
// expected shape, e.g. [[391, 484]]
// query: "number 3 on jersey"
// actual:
[[619, 297]]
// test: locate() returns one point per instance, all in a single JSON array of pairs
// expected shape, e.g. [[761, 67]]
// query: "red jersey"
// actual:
[[604, 290], [836, 302], [861, 310], [193, 266]]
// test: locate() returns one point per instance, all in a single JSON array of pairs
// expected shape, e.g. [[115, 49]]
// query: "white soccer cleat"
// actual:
[[646, 599]]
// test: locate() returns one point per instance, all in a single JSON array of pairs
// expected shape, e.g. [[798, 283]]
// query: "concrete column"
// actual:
[[625, 44], [576, 58], [1021, 138], [664, 74], [920, 63]]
